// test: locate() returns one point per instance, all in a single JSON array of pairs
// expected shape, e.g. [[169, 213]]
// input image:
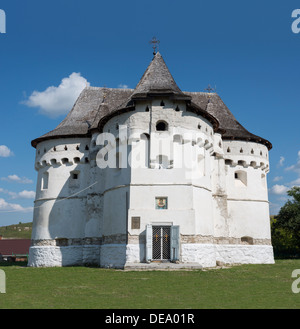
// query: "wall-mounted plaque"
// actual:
[[135, 223]]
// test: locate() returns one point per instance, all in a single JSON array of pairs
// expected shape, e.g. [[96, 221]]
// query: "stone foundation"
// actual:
[[92, 251]]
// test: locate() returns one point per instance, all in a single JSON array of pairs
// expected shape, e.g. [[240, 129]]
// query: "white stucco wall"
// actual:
[[207, 200]]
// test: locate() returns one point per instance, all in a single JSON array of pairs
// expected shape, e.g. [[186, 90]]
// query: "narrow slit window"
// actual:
[[45, 180], [74, 179]]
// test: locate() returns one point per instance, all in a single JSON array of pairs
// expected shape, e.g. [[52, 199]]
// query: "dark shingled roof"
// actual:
[[95, 106], [157, 80], [229, 127]]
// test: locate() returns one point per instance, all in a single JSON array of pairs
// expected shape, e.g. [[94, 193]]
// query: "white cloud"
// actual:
[[55, 101], [295, 182], [5, 152], [123, 86], [26, 194], [295, 167], [281, 161], [278, 189], [17, 179], [19, 195], [277, 178], [12, 207]]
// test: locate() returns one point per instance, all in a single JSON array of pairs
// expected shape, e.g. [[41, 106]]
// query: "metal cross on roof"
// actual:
[[209, 89], [155, 44]]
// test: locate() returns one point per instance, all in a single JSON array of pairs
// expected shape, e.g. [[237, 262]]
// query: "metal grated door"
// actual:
[[161, 242]]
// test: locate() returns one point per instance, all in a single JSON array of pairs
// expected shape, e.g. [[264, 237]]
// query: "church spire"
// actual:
[[158, 81]]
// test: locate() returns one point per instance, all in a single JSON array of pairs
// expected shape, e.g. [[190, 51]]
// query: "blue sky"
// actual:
[[246, 49]]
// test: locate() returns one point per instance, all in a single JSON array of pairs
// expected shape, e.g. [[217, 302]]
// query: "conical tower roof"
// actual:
[[158, 81]]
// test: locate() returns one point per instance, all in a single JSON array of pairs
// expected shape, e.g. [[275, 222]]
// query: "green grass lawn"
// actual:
[[246, 286]]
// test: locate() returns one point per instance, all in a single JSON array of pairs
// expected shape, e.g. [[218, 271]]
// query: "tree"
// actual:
[[286, 225]]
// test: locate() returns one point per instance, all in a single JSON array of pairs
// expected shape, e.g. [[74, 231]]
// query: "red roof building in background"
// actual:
[[14, 247]]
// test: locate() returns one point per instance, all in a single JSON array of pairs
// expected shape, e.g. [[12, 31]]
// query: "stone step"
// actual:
[[162, 266]]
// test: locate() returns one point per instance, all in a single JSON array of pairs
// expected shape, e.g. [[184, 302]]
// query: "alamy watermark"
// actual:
[[296, 22], [180, 151], [2, 21], [296, 283], [2, 282]]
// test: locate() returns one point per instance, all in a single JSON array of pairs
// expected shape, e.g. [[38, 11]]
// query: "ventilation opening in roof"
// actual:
[[161, 126]]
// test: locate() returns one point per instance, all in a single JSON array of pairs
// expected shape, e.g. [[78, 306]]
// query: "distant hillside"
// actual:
[[16, 231]]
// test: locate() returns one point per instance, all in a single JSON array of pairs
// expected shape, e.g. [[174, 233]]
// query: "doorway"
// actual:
[[161, 243]]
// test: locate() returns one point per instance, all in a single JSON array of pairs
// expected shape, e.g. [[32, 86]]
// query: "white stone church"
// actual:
[[151, 174]]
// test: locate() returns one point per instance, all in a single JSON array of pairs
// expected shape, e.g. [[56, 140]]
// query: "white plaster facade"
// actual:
[[84, 214]]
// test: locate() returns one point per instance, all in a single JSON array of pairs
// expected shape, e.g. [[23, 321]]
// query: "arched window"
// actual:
[[53, 161], [161, 126], [145, 139]]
